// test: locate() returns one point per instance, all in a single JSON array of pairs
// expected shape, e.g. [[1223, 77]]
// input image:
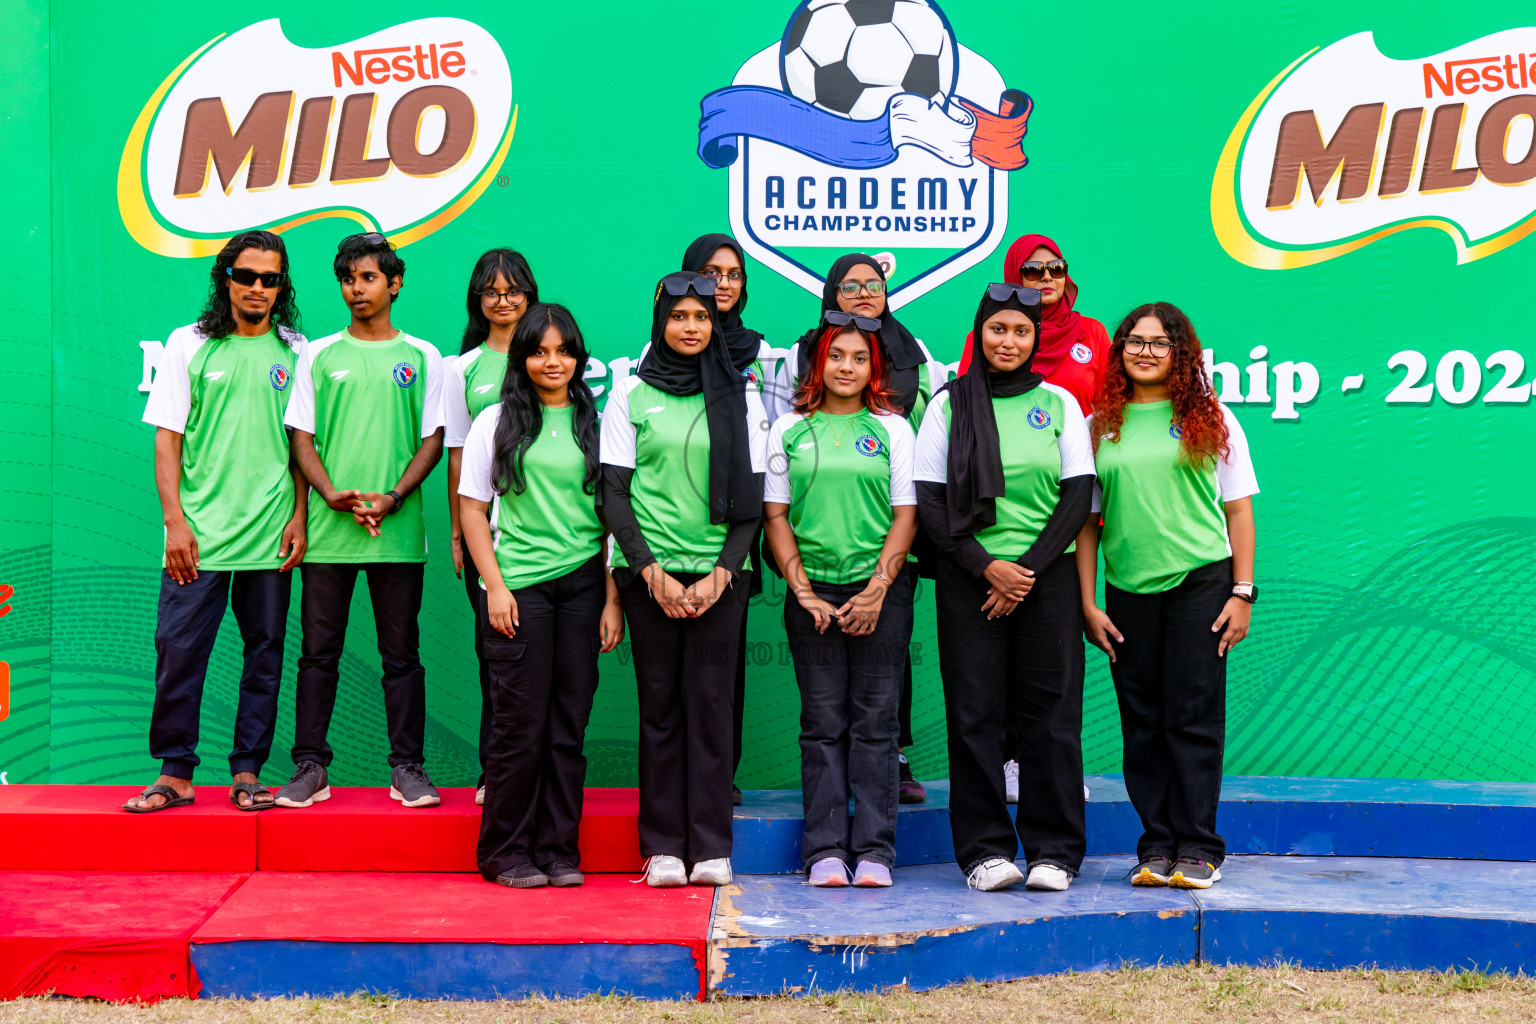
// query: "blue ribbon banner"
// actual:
[[778, 117]]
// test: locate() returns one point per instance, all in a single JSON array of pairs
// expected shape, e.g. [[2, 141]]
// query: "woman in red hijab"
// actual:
[[1073, 348]]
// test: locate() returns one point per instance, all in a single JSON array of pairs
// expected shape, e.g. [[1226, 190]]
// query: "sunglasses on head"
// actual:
[[245, 278], [849, 289], [372, 238], [837, 318], [1034, 270], [998, 291], [682, 282]]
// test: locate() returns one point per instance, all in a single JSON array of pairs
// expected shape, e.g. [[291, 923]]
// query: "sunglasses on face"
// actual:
[[837, 318], [683, 282], [1143, 346], [999, 291], [245, 278], [1034, 270], [849, 289]]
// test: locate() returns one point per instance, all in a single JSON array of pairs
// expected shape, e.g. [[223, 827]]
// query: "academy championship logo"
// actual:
[[404, 374], [398, 132], [867, 444], [1347, 146], [1039, 418], [278, 375], [867, 127]]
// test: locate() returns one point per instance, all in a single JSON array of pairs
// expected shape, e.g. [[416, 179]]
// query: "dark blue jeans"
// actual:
[[850, 688], [187, 624]]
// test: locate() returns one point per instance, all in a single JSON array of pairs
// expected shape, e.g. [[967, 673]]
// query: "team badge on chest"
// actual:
[[404, 374], [867, 444], [1039, 418], [278, 375]]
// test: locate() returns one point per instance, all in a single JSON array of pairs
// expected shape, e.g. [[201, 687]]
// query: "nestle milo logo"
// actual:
[[398, 131]]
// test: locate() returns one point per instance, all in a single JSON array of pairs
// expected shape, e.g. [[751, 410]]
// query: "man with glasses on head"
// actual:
[[234, 514], [367, 420]]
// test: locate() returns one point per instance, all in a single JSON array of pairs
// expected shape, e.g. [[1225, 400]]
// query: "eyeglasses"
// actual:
[[245, 278], [734, 276], [999, 291], [849, 289], [1034, 270], [682, 282], [1141, 346], [837, 318], [491, 297]]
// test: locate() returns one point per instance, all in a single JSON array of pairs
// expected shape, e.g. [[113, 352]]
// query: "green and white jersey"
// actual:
[[1163, 517], [664, 438], [474, 382], [226, 397], [840, 476], [552, 527], [369, 405], [1043, 438]]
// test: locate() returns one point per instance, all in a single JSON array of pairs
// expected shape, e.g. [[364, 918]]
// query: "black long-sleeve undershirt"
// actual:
[[1061, 528], [620, 513]]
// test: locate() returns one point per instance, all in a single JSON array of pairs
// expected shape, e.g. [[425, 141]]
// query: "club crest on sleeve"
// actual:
[[278, 375], [751, 375], [1039, 418], [868, 444], [1082, 353], [1175, 432], [404, 374]]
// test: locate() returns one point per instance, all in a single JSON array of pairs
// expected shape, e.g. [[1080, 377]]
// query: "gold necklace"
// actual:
[[837, 442]]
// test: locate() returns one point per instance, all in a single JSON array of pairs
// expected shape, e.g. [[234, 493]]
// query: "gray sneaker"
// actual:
[[409, 784], [1190, 873], [309, 785]]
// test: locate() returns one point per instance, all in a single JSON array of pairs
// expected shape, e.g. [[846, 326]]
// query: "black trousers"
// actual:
[[1028, 665], [850, 687], [186, 626], [477, 605], [904, 709], [1172, 690], [395, 589], [544, 679], [739, 693], [685, 669]]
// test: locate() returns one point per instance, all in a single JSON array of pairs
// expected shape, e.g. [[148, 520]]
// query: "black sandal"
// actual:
[[172, 799], [250, 789]]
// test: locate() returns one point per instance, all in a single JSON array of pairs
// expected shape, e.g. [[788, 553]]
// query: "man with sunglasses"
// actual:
[[235, 514], [367, 419]]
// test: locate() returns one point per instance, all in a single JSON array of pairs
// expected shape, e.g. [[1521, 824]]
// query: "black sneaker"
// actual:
[[563, 873], [524, 876], [1152, 871], [309, 785], [908, 789], [735, 796], [1190, 873], [409, 784]]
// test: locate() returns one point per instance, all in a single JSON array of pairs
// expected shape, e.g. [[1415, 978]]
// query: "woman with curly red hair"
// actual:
[[1175, 487]]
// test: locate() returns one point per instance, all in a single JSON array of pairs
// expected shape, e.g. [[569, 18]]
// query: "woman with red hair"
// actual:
[[1176, 486], [840, 513]]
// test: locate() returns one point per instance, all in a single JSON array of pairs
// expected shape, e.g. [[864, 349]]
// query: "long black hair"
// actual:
[[509, 263], [217, 319], [522, 411]]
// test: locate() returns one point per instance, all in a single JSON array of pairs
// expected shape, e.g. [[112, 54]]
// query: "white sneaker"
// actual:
[[1011, 780], [1049, 877], [480, 797], [1085, 792], [992, 875], [664, 872], [711, 872]]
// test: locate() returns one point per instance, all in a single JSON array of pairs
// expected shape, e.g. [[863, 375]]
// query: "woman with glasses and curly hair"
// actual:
[[1175, 487]]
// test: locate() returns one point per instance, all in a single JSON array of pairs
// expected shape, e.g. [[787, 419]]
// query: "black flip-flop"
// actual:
[[250, 789], [172, 799]]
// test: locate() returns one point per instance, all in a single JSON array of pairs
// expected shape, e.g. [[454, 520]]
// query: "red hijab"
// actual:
[[1060, 325]]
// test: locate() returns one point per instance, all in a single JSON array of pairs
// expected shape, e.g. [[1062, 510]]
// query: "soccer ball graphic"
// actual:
[[850, 57]]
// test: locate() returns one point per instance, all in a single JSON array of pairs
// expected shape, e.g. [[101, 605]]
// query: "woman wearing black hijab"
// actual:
[[718, 256], [1005, 472], [682, 452]]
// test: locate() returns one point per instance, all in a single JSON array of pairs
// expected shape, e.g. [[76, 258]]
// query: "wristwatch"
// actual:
[[398, 501], [1247, 591]]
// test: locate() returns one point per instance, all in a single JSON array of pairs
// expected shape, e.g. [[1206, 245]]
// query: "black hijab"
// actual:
[[716, 372], [900, 349], [737, 335], [975, 476]]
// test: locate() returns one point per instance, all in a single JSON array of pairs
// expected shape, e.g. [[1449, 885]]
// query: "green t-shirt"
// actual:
[[840, 477], [1163, 517], [474, 383], [369, 405], [1043, 439], [552, 527], [226, 397], [664, 438]]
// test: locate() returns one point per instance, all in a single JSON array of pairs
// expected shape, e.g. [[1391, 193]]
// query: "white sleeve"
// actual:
[[931, 459], [616, 439], [781, 396], [301, 406], [757, 430], [170, 394], [1098, 485], [479, 447], [432, 408], [903, 489], [1234, 474], [776, 478], [1076, 448], [456, 423]]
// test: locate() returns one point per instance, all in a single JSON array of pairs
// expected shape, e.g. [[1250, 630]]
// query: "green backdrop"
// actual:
[[1390, 640]]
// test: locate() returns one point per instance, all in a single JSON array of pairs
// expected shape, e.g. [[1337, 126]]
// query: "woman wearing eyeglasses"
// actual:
[[719, 257], [1176, 488], [1005, 478], [501, 288], [682, 451], [840, 514]]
